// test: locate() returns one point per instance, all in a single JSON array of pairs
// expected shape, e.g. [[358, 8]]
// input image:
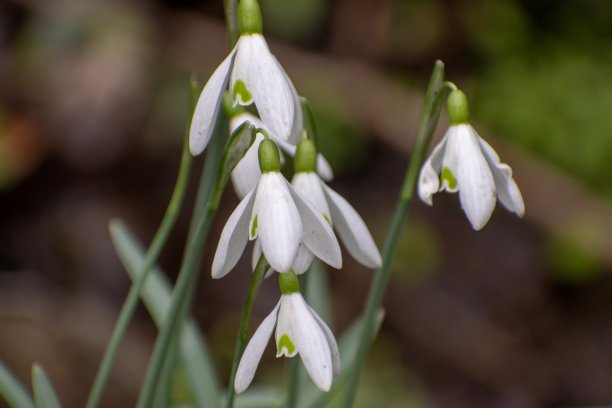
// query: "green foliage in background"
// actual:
[[545, 82]]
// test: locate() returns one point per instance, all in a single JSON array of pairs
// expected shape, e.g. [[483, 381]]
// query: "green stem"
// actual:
[[243, 331], [427, 125], [231, 17], [183, 291], [129, 306]]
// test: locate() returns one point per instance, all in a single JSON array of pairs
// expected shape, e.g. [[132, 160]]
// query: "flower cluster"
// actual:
[[291, 224]]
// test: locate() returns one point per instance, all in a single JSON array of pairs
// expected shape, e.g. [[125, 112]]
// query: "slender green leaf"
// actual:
[[156, 295], [260, 397], [12, 391], [243, 330], [44, 394]]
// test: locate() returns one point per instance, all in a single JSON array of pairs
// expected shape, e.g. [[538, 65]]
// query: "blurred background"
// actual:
[[93, 104]]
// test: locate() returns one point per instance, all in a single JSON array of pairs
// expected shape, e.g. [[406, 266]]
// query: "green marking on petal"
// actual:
[[449, 177], [241, 90], [327, 219], [254, 227], [285, 343]]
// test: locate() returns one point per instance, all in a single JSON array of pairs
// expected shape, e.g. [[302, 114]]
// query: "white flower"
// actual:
[[247, 172], [466, 163], [299, 330], [254, 76], [341, 215], [282, 220]]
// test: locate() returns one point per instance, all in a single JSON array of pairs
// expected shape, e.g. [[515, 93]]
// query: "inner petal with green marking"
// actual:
[[241, 93], [448, 177], [253, 229], [285, 347]]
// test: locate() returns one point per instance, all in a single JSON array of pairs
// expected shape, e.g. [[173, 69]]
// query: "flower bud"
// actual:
[[457, 108], [305, 160], [249, 17], [269, 157], [288, 282]]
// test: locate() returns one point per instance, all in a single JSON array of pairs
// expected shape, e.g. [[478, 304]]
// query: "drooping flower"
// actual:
[[334, 208], [247, 172], [299, 330], [255, 77], [279, 217], [466, 163]]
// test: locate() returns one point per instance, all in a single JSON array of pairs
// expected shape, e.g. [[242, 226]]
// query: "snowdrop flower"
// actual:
[[334, 208], [279, 217], [469, 165], [247, 172], [255, 77], [299, 330]]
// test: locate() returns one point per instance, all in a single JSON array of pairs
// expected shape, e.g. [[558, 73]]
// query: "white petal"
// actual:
[[302, 260], [353, 230], [429, 181], [284, 336], [473, 176], [298, 119], [324, 169], [309, 186], [278, 222], [266, 83], [207, 108], [253, 352], [247, 172], [311, 343], [331, 340], [508, 192], [234, 238], [318, 234]]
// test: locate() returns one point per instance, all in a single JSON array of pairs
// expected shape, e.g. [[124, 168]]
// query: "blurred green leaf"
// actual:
[[12, 391], [156, 296], [44, 394]]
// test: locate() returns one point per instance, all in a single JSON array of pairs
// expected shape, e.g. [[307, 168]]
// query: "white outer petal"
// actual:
[[311, 343], [324, 169], [508, 192], [353, 230], [253, 352], [266, 82], [309, 186], [234, 238], [302, 260], [318, 235], [207, 107], [298, 119], [474, 178], [279, 225], [246, 174], [429, 179], [331, 340], [255, 259]]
